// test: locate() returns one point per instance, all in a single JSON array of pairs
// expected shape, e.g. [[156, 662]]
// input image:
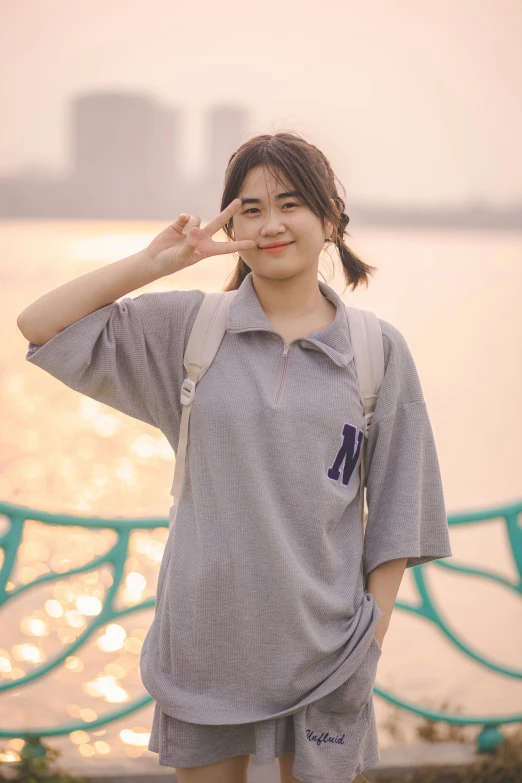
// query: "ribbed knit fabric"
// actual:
[[261, 610]]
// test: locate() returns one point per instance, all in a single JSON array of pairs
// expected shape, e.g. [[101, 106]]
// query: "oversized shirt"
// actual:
[[261, 607]]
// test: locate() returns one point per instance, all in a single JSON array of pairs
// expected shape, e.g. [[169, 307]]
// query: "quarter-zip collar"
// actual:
[[246, 314]]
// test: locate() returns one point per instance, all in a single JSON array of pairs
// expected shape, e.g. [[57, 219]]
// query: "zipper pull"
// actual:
[[286, 349]]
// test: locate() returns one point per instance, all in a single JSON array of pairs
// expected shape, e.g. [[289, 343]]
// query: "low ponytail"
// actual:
[[356, 271]]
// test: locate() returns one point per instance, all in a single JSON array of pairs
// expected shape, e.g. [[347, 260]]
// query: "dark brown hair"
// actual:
[[310, 173]]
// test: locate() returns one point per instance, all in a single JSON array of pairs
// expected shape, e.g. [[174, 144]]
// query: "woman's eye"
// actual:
[[286, 205]]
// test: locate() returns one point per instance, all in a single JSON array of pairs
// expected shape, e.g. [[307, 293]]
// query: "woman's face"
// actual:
[[273, 218]]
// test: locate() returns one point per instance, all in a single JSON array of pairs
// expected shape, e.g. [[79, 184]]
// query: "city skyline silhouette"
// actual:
[[127, 165]]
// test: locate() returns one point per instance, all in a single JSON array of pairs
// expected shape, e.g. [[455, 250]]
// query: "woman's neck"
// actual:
[[294, 309], [296, 298]]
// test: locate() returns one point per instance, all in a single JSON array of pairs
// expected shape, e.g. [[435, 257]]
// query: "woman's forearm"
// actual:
[[54, 311], [383, 583]]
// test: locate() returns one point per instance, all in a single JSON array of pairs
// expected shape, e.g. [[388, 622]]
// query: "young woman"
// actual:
[[271, 610]]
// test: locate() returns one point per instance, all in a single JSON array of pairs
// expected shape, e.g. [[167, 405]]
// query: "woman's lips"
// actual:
[[276, 249]]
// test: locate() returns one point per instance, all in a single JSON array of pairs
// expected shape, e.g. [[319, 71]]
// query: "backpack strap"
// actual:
[[368, 350], [204, 340], [203, 343]]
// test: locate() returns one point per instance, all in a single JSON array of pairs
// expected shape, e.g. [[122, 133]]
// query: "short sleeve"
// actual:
[[126, 354], [406, 508]]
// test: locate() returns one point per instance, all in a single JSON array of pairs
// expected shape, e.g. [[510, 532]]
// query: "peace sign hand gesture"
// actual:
[[184, 243]]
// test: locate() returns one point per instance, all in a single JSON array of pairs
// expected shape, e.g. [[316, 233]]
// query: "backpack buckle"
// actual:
[[188, 390]]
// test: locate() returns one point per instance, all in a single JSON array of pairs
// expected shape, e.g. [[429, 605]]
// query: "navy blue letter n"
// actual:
[[347, 453]]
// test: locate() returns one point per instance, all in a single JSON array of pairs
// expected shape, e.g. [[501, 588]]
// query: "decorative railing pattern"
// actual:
[[116, 556]]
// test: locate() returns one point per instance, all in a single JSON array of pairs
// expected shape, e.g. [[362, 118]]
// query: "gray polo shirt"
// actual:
[[261, 607]]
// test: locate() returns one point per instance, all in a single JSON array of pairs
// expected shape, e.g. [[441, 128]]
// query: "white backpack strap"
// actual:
[[368, 349], [203, 343]]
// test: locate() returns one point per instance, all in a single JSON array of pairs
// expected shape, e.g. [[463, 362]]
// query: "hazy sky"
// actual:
[[412, 101]]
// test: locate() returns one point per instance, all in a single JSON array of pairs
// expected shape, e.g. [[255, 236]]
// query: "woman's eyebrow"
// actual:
[[279, 196]]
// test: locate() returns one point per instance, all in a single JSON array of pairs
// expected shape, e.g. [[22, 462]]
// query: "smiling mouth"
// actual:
[[276, 248]]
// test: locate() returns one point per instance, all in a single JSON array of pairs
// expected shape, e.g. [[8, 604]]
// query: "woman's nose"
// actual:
[[272, 226]]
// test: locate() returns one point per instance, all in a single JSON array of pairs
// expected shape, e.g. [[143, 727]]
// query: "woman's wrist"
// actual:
[[380, 629]]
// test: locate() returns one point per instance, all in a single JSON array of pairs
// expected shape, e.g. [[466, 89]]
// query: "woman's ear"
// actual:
[[329, 226]]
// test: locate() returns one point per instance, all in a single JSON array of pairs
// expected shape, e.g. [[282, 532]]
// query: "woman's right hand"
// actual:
[[184, 243]]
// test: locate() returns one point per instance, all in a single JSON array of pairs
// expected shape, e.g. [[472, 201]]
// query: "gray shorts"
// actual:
[[334, 738], [182, 744]]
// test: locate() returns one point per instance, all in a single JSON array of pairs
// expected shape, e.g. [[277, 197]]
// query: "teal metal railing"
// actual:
[[488, 739]]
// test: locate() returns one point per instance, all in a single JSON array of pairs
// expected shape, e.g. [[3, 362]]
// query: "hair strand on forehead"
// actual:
[[309, 172]]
